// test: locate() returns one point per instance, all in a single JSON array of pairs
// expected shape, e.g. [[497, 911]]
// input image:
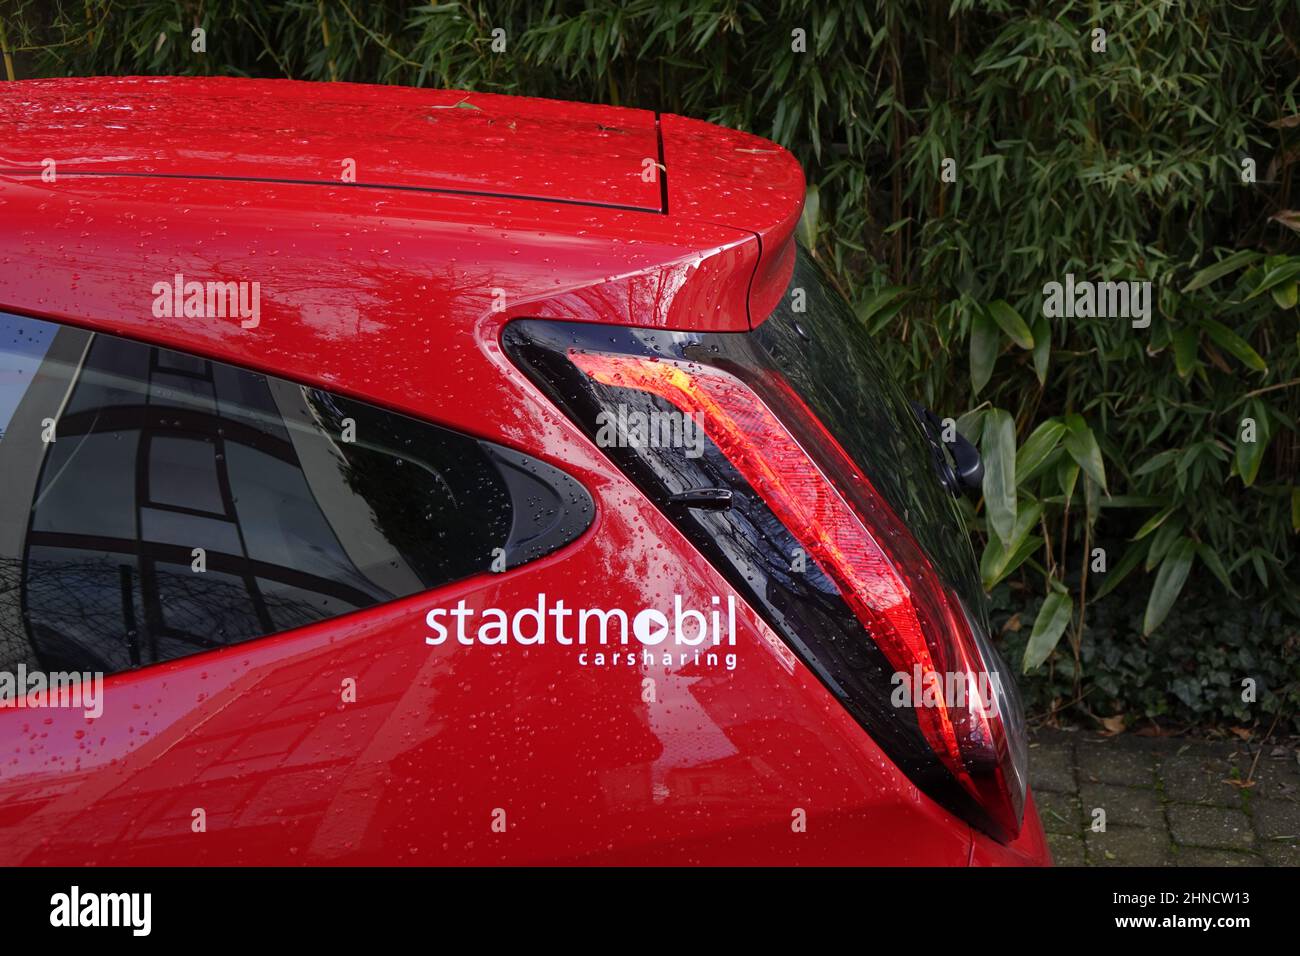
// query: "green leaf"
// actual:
[[1164, 539], [1008, 562], [1134, 501], [971, 425], [1285, 295], [1169, 582], [1082, 446], [999, 451], [1281, 275], [1234, 343], [1091, 500], [1210, 558], [877, 300], [1067, 475], [1155, 521], [885, 316], [984, 342], [1047, 464], [1053, 617], [1221, 268], [1251, 453], [1295, 509], [1042, 348], [987, 160], [1009, 320], [1257, 562], [807, 228], [1000, 559], [1156, 462], [1038, 446], [1185, 344], [1132, 558]]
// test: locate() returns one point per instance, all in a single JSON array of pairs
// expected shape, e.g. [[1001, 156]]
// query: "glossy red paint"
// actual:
[[678, 214], [731, 178], [1028, 849], [446, 140], [388, 295]]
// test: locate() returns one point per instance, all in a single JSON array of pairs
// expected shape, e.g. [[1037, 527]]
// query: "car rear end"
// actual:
[[648, 328], [819, 496]]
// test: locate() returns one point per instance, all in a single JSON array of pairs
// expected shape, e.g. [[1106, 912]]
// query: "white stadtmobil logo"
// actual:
[[653, 637], [75, 908]]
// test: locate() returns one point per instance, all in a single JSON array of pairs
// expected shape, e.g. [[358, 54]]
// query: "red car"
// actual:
[[397, 476]]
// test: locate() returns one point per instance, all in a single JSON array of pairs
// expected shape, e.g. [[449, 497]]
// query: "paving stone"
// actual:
[[1277, 778], [1193, 778], [1123, 805], [1051, 767], [1128, 846], [1057, 812], [1166, 800], [1223, 748], [1066, 850], [1198, 856], [1281, 854], [1276, 820], [1210, 827], [1115, 764]]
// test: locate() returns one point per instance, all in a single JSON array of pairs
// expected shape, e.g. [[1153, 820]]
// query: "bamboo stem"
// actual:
[[4, 47], [325, 35]]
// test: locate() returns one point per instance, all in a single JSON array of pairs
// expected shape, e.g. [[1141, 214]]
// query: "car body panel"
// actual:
[[1028, 849]]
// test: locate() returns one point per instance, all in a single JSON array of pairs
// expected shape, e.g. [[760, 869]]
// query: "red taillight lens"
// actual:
[[812, 485]]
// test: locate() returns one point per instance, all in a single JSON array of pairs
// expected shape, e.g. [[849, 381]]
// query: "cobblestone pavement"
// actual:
[[1168, 801]]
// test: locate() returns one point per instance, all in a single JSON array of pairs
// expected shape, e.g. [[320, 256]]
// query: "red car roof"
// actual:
[[682, 223]]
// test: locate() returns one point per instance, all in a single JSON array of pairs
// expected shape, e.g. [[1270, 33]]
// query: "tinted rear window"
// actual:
[[827, 355]]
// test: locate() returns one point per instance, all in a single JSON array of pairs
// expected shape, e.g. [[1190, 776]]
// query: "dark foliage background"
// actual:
[[1170, 156]]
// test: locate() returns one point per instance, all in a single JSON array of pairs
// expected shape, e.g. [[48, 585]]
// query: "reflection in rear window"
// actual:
[[157, 504]]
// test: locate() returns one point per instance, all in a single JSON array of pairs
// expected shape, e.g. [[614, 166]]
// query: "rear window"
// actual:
[[831, 360], [155, 504]]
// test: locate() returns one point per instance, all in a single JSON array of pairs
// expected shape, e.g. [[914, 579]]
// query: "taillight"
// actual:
[[805, 534]]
